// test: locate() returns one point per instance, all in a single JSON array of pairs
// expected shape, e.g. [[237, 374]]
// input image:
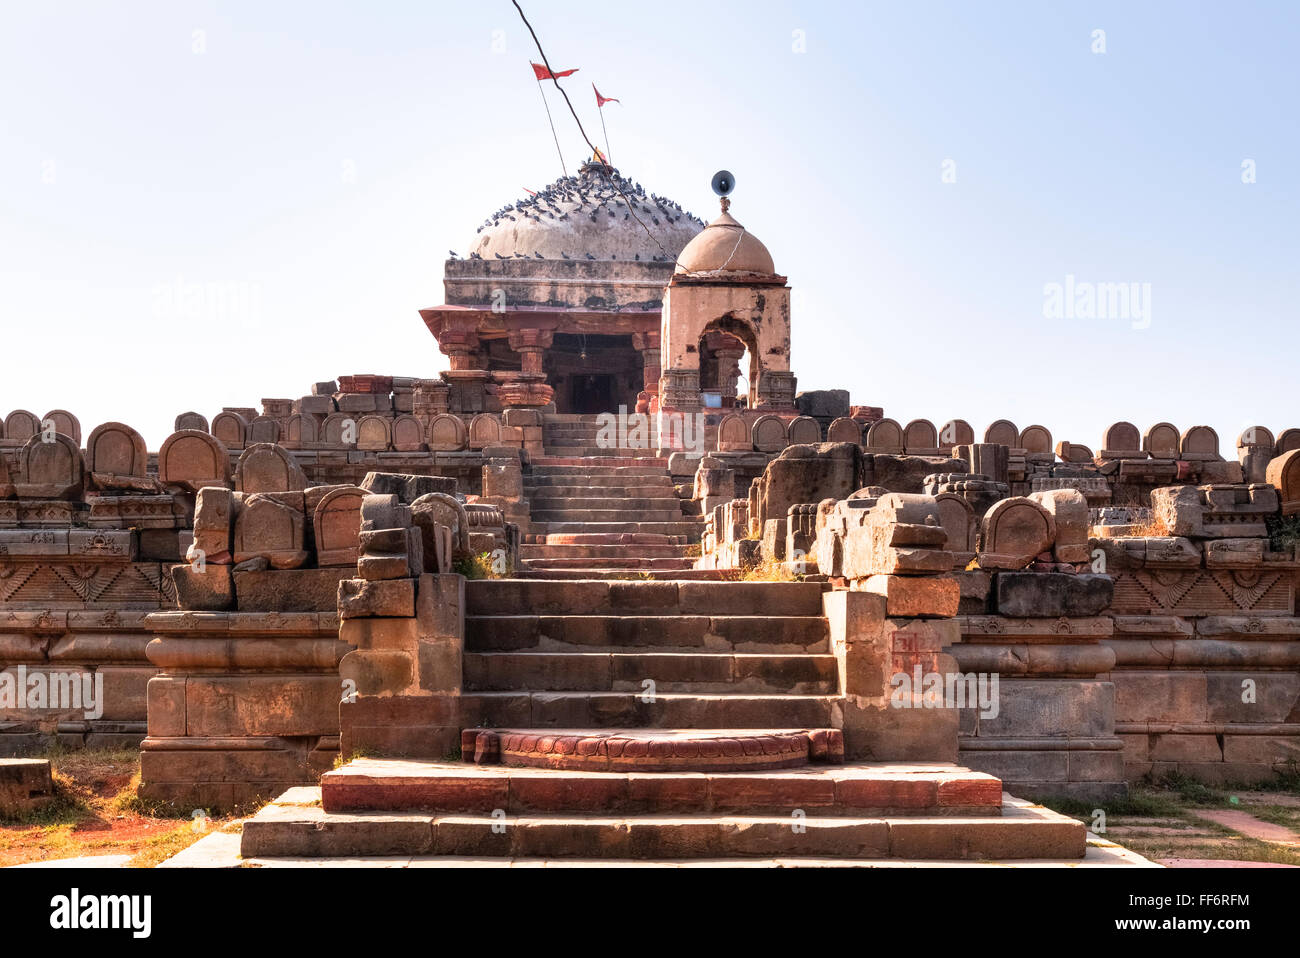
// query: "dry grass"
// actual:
[[97, 810], [1151, 527], [768, 570]]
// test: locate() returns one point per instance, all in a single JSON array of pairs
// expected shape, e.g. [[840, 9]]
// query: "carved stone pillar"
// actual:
[[531, 344], [726, 351], [776, 389], [680, 389], [647, 344]]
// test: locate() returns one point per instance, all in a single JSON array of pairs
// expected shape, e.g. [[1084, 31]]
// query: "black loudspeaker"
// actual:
[[723, 182]]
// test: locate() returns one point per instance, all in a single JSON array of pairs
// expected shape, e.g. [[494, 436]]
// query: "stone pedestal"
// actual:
[[245, 705]]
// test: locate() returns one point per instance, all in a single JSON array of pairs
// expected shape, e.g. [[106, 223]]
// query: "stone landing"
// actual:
[[843, 813]]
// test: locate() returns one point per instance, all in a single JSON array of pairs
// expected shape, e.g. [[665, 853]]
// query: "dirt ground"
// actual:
[[1175, 820], [97, 812]]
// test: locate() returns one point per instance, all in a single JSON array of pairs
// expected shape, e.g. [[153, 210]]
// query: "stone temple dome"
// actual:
[[725, 246], [586, 217]]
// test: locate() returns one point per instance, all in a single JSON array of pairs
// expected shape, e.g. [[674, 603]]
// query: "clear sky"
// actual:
[[207, 203]]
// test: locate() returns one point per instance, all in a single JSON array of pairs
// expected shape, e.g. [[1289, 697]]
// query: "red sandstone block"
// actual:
[[971, 792], [668, 793], [887, 793], [733, 791], [565, 793], [467, 794]]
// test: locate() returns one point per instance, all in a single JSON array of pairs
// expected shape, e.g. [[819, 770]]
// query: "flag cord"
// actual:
[[553, 133], [613, 181]]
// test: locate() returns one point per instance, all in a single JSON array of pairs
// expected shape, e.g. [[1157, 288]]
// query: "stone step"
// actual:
[[554, 503], [704, 672], [583, 450], [684, 575], [687, 527], [579, 513], [605, 462], [595, 473], [606, 539], [284, 830], [549, 553], [648, 490], [517, 597], [534, 709], [770, 634], [367, 784], [544, 560]]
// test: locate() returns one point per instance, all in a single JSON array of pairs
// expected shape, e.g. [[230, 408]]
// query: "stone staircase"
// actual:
[[600, 513], [615, 721]]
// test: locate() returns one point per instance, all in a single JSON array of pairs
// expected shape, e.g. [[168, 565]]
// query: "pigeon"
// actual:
[[498, 256], [538, 255], [475, 256], [452, 254], [565, 255], [589, 256]]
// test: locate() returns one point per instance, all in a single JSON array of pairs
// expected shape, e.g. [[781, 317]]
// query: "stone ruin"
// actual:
[[467, 574]]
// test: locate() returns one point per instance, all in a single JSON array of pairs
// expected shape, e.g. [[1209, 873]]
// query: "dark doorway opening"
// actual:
[[591, 393]]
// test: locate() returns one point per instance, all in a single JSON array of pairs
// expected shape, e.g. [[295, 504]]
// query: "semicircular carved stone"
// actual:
[[266, 467], [885, 436], [262, 429], [191, 420], [958, 519], [408, 434], [956, 432], [1288, 439], [50, 468], [920, 437], [115, 449], [845, 429], [447, 433], [1036, 440], [1284, 475], [1256, 436], [339, 429], [1200, 443], [441, 509], [734, 435], [769, 434], [1161, 441], [65, 423], [230, 429], [336, 523], [1014, 532], [804, 431], [302, 430], [484, 430], [191, 460], [21, 425], [374, 433], [1003, 433], [1121, 437]]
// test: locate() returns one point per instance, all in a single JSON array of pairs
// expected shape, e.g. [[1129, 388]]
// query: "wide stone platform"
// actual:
[[566, 826]]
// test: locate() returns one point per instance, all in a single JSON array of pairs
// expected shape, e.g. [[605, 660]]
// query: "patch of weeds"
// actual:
[[1283, 532], [481, 566]]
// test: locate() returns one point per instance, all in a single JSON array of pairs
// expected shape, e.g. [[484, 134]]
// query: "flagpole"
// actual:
[[552, 122], [609, 157]]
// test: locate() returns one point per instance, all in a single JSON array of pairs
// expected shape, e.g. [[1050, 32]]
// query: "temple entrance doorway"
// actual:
[[593, 373], [591, 393]]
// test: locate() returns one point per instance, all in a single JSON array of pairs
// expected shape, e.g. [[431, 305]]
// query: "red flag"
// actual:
[[602, 100], [545, 74]]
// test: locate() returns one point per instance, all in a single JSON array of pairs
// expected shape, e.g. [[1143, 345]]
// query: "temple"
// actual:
[[591, 295], [609, 575]]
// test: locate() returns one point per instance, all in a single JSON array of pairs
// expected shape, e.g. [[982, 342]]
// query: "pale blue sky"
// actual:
[[319, 159]]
